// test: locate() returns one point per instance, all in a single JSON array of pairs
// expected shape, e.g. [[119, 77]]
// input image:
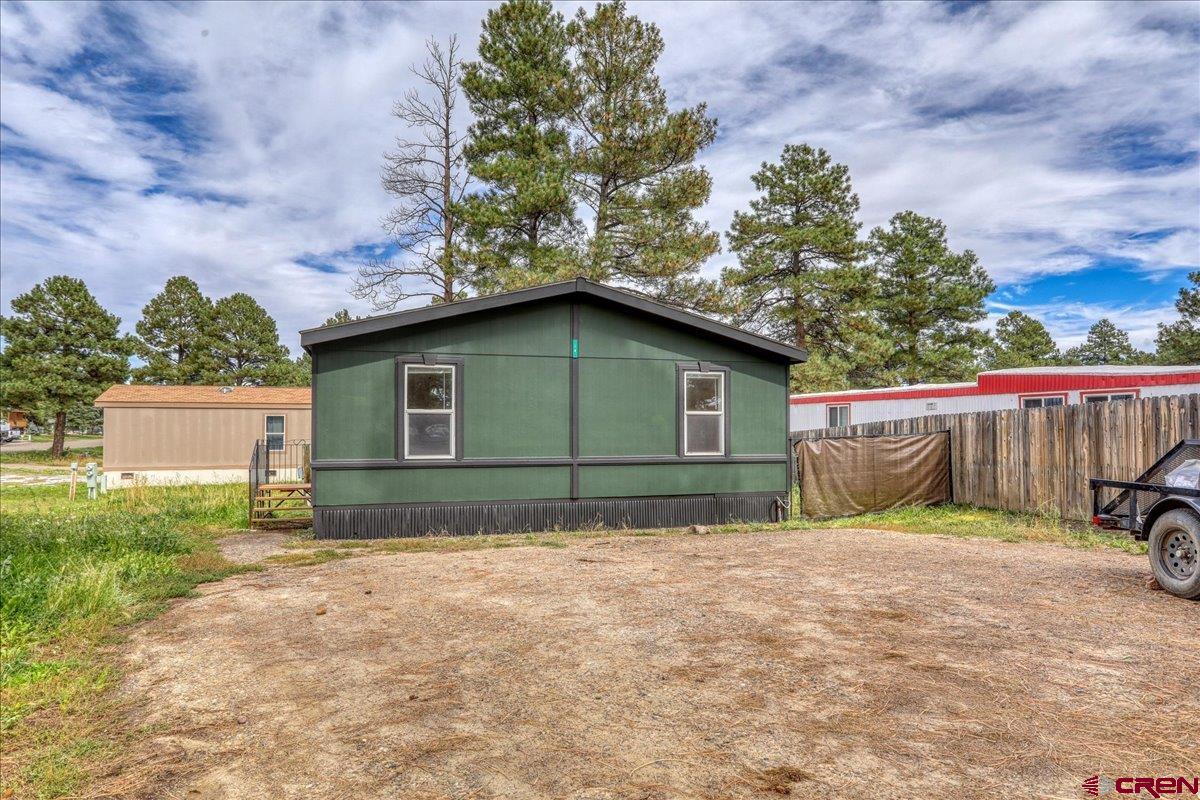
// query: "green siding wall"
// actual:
[[758, 404], [626, 407], [355, 404], [366, 486], [516, 404], [516, 407], [609, 333], [665, 479]]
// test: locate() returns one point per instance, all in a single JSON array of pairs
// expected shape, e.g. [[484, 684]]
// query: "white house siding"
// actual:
[[812, 415]]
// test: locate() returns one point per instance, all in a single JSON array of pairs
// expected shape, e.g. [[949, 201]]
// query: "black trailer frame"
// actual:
[[1127, 511]]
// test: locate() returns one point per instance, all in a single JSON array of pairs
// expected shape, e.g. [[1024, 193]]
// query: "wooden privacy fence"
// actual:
[[1040, 459]]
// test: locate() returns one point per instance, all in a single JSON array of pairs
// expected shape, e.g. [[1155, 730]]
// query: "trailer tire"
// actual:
[[1175, 553]]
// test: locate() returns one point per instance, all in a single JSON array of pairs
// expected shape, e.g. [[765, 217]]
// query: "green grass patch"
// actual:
[[71, 572], [44, 457], [971, 521]]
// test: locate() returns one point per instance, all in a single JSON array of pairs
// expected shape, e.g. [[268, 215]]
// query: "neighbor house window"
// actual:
[[703, 413], [1045, 401], [275, 432], [838, 416], [429, 409], [1104, 397]]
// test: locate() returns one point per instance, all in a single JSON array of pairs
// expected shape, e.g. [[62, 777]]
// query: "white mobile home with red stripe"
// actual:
[[1030, 387]]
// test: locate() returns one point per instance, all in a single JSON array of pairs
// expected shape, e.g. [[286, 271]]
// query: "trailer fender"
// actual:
[[1169, 503]]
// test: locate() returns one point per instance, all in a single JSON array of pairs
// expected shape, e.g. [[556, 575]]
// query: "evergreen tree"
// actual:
[[175, 336], [929, 296], [1022, 341], [62, 349], [634, 161], [339, 317], [1179, 341], [298, 372], [246, 342], [521, 229], [1106, 344], [798, 276]]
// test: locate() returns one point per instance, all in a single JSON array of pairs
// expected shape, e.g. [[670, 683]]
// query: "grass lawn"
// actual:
[[45, 458], [70, 574]]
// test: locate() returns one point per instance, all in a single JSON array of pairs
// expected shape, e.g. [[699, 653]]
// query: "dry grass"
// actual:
[[676, 666]]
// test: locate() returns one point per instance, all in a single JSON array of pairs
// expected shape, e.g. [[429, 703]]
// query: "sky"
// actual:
[[241, 143]]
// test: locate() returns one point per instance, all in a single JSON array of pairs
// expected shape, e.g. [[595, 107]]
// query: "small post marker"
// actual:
[[74, 478]]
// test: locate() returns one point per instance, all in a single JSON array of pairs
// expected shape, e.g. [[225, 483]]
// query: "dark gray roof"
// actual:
[[566, 289]]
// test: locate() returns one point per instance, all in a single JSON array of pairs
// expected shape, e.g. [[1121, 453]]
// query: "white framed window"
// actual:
[[1044, 401], [274, 432], [703, 413], [1104, 397], [837, 415], [430, 407]]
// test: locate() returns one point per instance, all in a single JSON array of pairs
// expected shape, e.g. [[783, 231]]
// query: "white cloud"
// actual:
[[1068, 323], [998, 120]]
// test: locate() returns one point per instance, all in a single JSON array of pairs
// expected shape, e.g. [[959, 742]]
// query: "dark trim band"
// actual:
[[574, 400], [396, 520], [586, 461]]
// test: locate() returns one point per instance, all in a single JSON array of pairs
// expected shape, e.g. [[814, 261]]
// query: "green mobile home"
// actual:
[[562, 406]]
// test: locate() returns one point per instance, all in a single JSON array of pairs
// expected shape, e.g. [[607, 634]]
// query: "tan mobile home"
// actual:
[[195, 434]]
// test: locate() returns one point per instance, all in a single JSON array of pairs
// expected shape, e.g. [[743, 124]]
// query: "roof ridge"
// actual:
[[617, 295]]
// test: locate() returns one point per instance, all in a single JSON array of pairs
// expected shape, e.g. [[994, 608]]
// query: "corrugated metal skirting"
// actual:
[[407, 520]]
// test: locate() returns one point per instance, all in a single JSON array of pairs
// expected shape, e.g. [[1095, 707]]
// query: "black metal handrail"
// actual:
[[276, 462]]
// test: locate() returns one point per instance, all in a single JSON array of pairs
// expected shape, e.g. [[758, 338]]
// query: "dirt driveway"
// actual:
[[829, 664]]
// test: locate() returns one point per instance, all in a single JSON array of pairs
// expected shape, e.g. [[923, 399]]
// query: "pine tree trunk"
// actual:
[[447, 199], [60, 434], [801, 331]]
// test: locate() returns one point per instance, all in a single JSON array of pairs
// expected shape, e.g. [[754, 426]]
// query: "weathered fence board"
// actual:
[[1040, 459]]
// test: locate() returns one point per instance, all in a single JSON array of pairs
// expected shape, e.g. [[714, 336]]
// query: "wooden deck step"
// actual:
[[279, 504]]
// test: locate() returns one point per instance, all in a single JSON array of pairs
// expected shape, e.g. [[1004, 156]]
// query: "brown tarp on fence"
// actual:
[[1039, 459], [852, 475]]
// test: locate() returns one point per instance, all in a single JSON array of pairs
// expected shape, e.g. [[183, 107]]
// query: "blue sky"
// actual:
[[241, 143]]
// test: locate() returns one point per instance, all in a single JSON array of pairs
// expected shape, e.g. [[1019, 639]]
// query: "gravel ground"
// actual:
[[829, 664], [252, 547]]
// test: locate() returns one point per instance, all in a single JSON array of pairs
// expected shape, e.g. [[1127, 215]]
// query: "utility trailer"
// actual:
[[1161, 508]]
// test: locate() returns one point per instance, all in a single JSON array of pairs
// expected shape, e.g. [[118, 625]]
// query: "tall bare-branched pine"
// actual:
[[427, 175]]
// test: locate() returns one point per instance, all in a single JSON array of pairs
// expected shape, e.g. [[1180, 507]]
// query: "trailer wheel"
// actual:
[[1175, 553]]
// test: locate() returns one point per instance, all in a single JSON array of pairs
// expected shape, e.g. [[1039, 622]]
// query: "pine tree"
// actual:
[[427, 175], [799, 276], [339, 317], [298, 372], [634, 161], [521, 229], [62, 349], [175, 336], [929, 298], [1106, 344], [1022, 341], [246, 342], [1179, 341]]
